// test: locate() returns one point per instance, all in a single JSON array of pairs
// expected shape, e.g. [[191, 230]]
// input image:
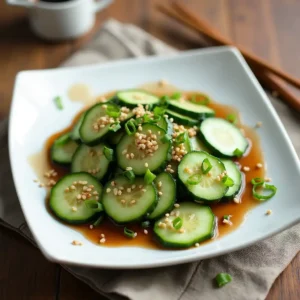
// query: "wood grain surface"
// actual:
[[270, 28]]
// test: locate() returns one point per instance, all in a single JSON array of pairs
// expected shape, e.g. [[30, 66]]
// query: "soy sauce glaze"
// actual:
[[114, 234]]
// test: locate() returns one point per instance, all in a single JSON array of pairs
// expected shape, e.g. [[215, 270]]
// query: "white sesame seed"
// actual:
[[123, 201], [160, 193], [268, 179], [197, 245], [227, 222], [124, 151], [76, 243], [176, 205], [74, 208], [41, 185], [167, 215], [259, 165], [128, 190], [83, 197], [91, 226], [79, 196], [146, 165], [129, 168], [145, 231], [143, 190], [102, 235], [246, 169], [181, 230], [236, 200], [132, 202], [102, 241], [269, 212], [108, 190]]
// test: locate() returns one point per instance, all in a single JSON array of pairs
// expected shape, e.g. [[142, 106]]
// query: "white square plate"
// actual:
[[221, 73]]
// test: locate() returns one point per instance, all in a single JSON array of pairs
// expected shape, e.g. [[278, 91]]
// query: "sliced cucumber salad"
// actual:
[[162, 161]]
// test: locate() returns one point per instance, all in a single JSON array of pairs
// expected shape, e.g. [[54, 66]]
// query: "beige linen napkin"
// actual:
[[254, 269]]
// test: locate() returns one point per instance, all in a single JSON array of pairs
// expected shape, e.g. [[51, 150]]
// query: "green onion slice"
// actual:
[[164, 100], [159, 111], [113, 111], [94, 205], [145, 224], [176, 96], [166, 138], [194, 179], [98, 221], [257, 180], [272, 189], [200, 99], [129, 175], [237, 152], [108, 153], [226, 217], [114, 127], [181, 138], [148, 119], [129, 233], [206, 166], [231, 118], [177, 223], [58, 102], [149, 177], [222, 279], [228, 181], [130, 127]]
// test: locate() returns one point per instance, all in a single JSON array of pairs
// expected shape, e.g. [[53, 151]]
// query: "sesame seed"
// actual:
[[160, 193], [96, 193], [159, 184], [129, 168], [102, 235], [97, 198], [123, 201], [146, 165], [258, 124], [128, 190], [218, 178], [246, 169], [76, 243], [143, 190], [259, 165], [74, 208], [79, 196], [41, 185], [227, 222], [135, 234], [167, 215], [269, 212], [83, 197], [67, 190], [91, 226], [145, 231], [236, 200], [197, 245], [181, 230], [113, 183], [102, 241], [124, 151], [108, 190], [133, 186], [177, 213], [268, 179], [132, 202], [176, 205]]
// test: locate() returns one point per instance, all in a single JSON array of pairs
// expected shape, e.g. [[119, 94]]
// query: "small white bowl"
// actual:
[[63, 20]]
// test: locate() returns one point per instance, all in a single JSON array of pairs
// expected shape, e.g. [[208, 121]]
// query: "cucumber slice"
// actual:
[[222, 137], [198, 145], [190, 109], [165, 124], [90, 160], [135, 201], [166, 185], [75, 135], [63, 149], [235, 174], [142, 160], [198, 225], [209, 188], [135, 97], [181, 119], [65, 204], [93, 128]]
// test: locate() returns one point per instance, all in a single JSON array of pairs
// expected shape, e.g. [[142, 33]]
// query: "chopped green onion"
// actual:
[[148, 119], [98, 221], [200, 99], [108, 153], [159, 111], [145, 224], [129, 175], [139, 120], [94, 205], [58, 103], [166, 138], [237, 152], [177, 223], [164, 100], [228, 181], [149, 177], [206, 166], [176, 96], [222, 279], [226, 217], [130, 127], [231, 118], [113, 111], [181, 138], [264, 186], [129, 233], [257, 180], [114, 127], [194, 179]]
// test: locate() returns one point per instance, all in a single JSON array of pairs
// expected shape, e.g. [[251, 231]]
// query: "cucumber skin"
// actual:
[[122, 102], [92, 218], [185, 245], [213, 150], [141, 218], [198, 199], [193, 115], [181, 121], [241, 188]]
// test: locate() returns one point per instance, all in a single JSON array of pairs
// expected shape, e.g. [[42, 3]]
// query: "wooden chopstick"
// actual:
[[265, 77], [210, 33], [249, 56]]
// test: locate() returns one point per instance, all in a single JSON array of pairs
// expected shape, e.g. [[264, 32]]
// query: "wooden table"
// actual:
[[269, 27]]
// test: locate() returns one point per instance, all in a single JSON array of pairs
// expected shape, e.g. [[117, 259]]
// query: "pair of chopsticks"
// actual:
[[271, 77]]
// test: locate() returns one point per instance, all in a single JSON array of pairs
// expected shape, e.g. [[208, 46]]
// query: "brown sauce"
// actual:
[[114, 234]]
